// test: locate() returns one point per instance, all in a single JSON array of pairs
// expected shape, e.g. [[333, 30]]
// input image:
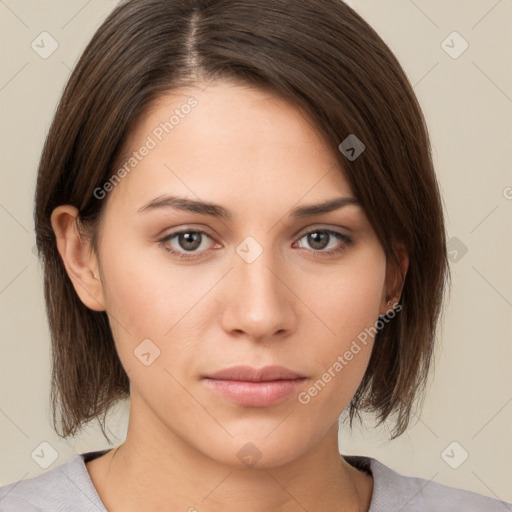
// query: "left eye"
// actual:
[[323, 239]]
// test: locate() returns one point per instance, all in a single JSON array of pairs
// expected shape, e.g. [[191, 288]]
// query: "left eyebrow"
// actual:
[[325, 207], [215, 210]]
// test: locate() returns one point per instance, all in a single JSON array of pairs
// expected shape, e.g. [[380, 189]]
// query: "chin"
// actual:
[[260, 452]]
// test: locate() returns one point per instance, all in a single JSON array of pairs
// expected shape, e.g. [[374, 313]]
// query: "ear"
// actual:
[[394, 283], [78, 257]]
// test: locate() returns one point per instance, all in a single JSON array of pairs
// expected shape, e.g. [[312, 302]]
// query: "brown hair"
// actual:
[[325, 59]]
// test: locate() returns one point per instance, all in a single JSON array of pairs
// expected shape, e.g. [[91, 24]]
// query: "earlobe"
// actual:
[[78, 257], [394, 282], [403, 257]]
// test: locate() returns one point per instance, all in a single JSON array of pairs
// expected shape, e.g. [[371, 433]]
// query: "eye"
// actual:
[[179, 243], [189, 243], [321, 239]]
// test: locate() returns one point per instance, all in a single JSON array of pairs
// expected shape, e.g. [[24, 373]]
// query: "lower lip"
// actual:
[[255, 394]]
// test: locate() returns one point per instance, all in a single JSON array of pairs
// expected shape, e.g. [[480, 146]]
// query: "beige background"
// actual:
[[468, 105]]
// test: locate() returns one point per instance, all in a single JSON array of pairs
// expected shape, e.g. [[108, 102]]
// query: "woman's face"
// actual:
[[245, 287]]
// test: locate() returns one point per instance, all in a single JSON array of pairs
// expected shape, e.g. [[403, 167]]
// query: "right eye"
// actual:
[[185, 243]]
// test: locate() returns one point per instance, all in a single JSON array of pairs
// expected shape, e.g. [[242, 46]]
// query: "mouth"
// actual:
[[252, 387]]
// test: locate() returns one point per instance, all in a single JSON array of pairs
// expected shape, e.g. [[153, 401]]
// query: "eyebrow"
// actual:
[[215, 210]]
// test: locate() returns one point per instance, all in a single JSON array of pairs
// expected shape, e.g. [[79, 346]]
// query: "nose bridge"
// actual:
[[259, 276], [258, 282], [258, 305]]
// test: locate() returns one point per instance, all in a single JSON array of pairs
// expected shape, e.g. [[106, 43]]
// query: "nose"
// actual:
[[258, 300]]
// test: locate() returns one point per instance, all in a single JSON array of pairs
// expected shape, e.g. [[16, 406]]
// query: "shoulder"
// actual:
[[393, 491], [65, 487]]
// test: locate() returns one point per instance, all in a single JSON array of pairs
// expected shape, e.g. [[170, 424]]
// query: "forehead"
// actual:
[[213, 140]]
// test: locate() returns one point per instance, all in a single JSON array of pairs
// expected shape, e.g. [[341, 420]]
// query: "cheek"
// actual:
[[347, 297], [347, 303], [143, 288], [150, 298]]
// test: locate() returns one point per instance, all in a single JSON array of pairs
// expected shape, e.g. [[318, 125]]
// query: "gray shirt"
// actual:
[[68, 488]]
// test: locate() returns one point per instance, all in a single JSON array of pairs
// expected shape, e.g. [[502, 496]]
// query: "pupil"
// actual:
[[190, 241], [318, 240]]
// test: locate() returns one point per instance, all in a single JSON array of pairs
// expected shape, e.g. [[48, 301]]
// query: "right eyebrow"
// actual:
[[191, 205]]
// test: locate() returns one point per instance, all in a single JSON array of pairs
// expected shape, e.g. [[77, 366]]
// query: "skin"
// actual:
[[259, 157]]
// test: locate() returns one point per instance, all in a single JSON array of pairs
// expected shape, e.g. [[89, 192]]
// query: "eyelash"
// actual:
[[184, 256]]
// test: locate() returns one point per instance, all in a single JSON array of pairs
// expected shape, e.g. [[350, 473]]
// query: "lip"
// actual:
[[255, 387], [250, 374]]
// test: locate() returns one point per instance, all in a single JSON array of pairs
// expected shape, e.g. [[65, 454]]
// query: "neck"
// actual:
[[149, 472]]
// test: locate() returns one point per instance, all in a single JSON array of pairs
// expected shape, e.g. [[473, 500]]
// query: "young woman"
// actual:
[[241, 231]]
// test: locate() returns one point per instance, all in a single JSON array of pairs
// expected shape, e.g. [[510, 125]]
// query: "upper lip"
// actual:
[[250, 374]]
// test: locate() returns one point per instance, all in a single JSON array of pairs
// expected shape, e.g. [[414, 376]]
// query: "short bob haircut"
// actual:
[[320, 56]]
